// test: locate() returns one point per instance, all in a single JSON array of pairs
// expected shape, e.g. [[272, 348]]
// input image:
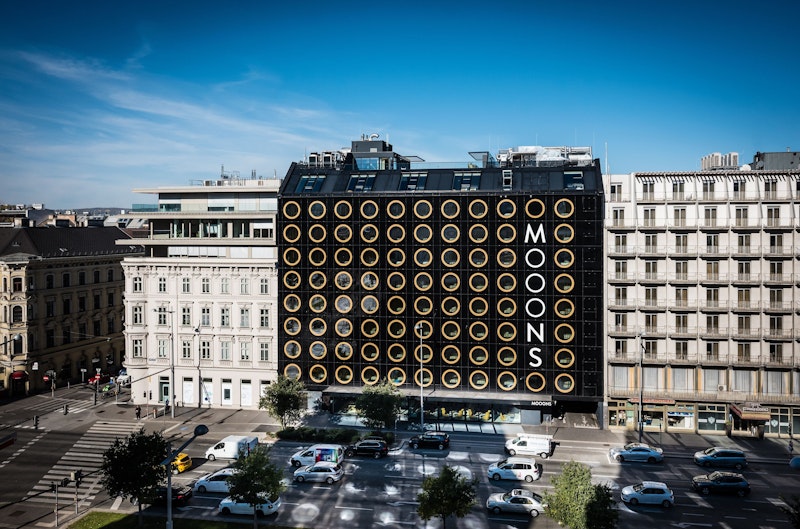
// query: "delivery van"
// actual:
[[319, 452], [531, 444], [231, 447]]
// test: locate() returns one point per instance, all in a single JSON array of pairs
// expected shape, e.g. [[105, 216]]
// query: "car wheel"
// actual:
[[225, 510], [300, 479], [544, 455], [620, 458], [706, 464], [738, 466], [329, 480], [496, 477], [441, 446], [260, 513], [201, 489], [666, 504], [634, 501], [529, 479], [296, 463], [211, 457], [651, 459], [742, 492], [496, 510], [349, 453], [705, 490], [512, 452], [414, 445], [534, 513], [377, 455]]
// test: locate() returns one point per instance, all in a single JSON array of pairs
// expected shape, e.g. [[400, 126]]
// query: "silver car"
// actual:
[[637, 452], [516, 501], [216, 482], [324, 471]]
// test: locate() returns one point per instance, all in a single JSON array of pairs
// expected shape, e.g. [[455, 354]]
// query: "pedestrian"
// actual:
[[791, 446], [138, 412]]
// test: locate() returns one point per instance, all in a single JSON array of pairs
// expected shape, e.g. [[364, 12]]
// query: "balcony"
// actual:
[[778, 306], [652, 277], [622, 331], [618, 251], [683, 332], [652, 304], [621, 277], [714, 333], [778, 334], [746, 334], [621, 304]]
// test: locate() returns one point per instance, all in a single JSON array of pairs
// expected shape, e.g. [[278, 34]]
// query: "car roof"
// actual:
[[324, 464], [655, 484]]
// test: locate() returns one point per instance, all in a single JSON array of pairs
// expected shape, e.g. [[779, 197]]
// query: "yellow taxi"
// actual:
[[181, 463]]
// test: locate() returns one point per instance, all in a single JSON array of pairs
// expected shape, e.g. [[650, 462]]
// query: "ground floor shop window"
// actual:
[[711, 417], [681, 417], [778, 422]]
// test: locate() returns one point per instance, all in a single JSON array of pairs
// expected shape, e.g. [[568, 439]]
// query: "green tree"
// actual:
[[255, 480], [447, 494], [132, 467], [791, 510], [577, 503], [379, 405], [285, 400]]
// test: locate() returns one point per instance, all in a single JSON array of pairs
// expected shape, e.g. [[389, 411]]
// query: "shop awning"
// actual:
[[751, 413], [19, 375]]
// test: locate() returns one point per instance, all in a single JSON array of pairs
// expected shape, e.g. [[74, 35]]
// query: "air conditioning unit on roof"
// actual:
[[722, 387]]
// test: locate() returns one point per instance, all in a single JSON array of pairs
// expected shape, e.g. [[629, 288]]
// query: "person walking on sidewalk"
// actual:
[[791, 445], [138, 412]]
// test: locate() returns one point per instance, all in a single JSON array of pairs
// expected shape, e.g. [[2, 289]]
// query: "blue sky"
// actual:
[[98, 98]]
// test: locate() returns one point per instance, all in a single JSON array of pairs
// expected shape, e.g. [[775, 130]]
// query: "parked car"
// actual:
[[324, 471], [719, 456], [215, 482], [319, 452], [368, 447], [438, 440], [516, 501], [721, 482], [648, 492], [123, 379], [181, 463], [180, 496], [795, 462], [637, 452], [514, 468], [99, 378], [228, 506]]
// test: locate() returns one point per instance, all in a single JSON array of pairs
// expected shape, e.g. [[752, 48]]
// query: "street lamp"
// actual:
[[641, 386], [200, 429], [419, 327]]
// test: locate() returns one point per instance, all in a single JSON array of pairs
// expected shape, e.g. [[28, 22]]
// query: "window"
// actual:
[[681, 323], [616, 192], [770, 189], [651, 296], [621, 270], [225, 285], [137, 315], [66, 305], [712, 351], [205, 285], [743, 270], [96, 328], [649, 217], [681, 297], [775, 298], [679, 215], [111, 324], [681, 350], [81, 278], [681, 270], [244, 286], [620, 296], [776, 326], [620, 349], [205, 350], [137, 284], [621, 243], [776, 243], [81, 303], [738, 190], [712, 270], [225, 317], [186, 349], [710, 215], [651, 270], [263, 354], [773, 216], [264, 284], [244, 317], [244, 351], [776, 352], [621, 322], [708, 190], [162, 284], [712, 243], [96, 301], [651, 243], [205, 316], [682, 243], [743, 243], [743, 298], [65, 279], [186, 315], [96, 276], [712, 324], [741, 217], [776, 271], [50, 308], [678, 190], [110, 299], [651, 323], [264, 318], [682, 379], [648, 190], [618, 217], [110, 275], [138, 348], [186, 285], [163, 348], [162, 316], [712, 297], [225, 350]]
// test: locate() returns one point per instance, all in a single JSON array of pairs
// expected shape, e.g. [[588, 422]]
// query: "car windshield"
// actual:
[[638, 487], [709, 451], [714, 476]]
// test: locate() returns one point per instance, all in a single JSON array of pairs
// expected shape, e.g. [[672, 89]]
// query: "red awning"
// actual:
[[19, 375], [751, 413]]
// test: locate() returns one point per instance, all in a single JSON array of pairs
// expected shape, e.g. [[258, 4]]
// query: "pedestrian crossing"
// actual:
[[85, 455], [41, 405]]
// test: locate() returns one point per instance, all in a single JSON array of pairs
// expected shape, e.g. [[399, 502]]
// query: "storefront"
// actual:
[[750, 418]]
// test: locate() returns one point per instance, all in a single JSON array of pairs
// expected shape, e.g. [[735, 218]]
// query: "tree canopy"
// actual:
[[285, 400], [255, 479], [132, 467], [577, 503], [379, 405], [791, 510], [447, 494]]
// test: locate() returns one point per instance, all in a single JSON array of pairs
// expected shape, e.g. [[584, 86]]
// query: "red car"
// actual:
[[101, 378]]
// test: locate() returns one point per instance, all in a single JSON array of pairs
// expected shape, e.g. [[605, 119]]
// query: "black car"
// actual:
[[368, 447], [180, 496], [438, 440], [721, 482]]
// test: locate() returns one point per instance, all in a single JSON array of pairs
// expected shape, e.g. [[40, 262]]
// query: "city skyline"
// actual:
[[99, 99]]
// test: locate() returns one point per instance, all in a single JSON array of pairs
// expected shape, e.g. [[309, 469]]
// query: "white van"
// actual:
[[231, 446], [531, 444], [319, 452]]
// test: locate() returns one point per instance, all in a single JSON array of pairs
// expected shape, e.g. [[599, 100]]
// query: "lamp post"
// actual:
[[419, 327], [641, 386], [200, 429]]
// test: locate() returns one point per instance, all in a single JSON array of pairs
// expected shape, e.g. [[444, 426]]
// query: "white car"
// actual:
[[228, 506], [215, 482], [514, 468], [648, 492], [516, 501], [325, 471]]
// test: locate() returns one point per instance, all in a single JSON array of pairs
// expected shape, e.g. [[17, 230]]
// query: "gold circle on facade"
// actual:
[[344, 351], [343, 210], [564, 258], [534, 208], [291, 256], [369, 280], [478, 209], [564, 233], [291, 233], [507, 282], [564, 283], [396, 281], [369, 304], [450, 233], [478, 282], [451, 378], [478, 379], [478, 233], [427, 353], [369, 209], [291, 210], [423, 305], [478, 355], [396, 233], [316, 210], [292, 326], [564, 358], [369, 328], [450, 282], [565, 333], [369, 233], [423, 233], [343, 280], [317, 233], [344, 374], [506, 257], [343, 233], [451, 306], [565, 383], [564, 308], [397, 376], [369, 257], [427, 377], [451, 354], [506, 331], [423, 329], [291, 279], [317, 256], [506, 209], [291, 349], [318, 350], [370, 352], [506, 307], [370, 375], [506, 233], [535, 382], [423, 281], [344, 327], [478, 306], [317, 303], [396, 257], [343, 304], [396, 304], [396, 352], [317, 280], [506, 381], [478, 257], [317, 327], [507, 356], [292, 372], [396, 209], [451, 330], [564, 208], [450, 209], [292, 303], [478, 331], [397, 329], [423, 257], [343, 257], [422, 209], [450, 257]]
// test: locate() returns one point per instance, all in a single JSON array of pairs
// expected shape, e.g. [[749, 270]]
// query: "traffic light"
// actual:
[[35, 422]]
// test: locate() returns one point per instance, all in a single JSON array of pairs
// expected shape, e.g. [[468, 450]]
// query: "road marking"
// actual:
[[117, 502], [353, 508]]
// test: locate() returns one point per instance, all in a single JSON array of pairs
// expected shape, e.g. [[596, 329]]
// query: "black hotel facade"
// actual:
[[481, 282]]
